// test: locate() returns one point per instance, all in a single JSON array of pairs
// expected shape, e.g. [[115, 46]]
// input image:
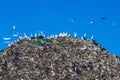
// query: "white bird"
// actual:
[[65, 34], [91, 37], [25, 35], [84, 35], [52, 36], [18, 40], [20, 37], [56, 36], [31, 35], [60, 34], [15, 35], [6, 38], [35, 35], [75, 34], [14, 27], [91, 22], [42, 33], [9, 45], [72, 20]]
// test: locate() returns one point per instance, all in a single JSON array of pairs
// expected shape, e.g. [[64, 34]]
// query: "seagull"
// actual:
[[91, 22], [15, 35], [56, 36], [72, 20], [35, 35], [103, 18], [25, 35], [41, 34], [84, 35], [9, 45], [91, 37], [60, 34], [75, 34], [14, 27], [6, 38], [20, 37], [31, 35]]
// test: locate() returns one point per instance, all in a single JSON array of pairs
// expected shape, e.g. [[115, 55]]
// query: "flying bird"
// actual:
[[72, 20], [15, 35], [103, 18], [14, 27], [6, 38], [91, 22]]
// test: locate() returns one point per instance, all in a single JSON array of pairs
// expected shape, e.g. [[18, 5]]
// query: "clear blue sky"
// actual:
[[54, 16]]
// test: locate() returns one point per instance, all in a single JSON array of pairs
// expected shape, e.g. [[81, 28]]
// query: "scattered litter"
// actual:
[[41, 41], [58, 58]]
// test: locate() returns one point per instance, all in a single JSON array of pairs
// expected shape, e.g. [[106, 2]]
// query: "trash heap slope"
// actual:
[[62, 58]]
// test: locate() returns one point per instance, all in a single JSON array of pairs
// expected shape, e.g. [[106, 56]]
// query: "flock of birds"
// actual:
[[90, 22], [19, 37]]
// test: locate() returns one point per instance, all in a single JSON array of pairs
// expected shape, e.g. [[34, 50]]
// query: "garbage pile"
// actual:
[[61, 58]]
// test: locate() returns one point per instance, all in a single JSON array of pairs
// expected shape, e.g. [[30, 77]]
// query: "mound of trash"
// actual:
[[61, 58]]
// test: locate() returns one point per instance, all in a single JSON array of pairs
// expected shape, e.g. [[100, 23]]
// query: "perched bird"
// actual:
[[84, 35], [75, 34], [91, 37]]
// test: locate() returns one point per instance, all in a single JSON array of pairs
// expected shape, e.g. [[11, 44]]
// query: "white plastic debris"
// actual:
[[84, 47], [53, 73]]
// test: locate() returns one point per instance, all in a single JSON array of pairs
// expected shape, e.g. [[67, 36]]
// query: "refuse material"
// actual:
[[62, 58]]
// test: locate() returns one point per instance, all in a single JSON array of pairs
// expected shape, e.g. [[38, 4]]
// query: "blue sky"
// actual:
[[55, 16]]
